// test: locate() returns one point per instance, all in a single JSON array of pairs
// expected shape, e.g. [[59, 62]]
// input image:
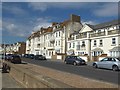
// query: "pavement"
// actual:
[[6, 81], [9, 82]]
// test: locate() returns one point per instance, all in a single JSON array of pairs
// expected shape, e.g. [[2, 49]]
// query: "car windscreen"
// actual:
[[79, 58]]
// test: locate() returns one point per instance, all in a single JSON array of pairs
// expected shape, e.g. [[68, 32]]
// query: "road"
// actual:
[[84, 70]]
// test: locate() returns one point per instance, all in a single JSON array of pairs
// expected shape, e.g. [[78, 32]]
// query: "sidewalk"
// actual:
[[6, 81], [9, 82]]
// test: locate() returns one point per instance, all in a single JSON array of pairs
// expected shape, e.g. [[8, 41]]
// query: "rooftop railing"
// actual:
[[97, 34], [113, 32], [81, 36]]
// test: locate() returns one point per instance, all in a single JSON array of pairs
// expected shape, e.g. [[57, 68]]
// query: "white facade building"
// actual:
[[96, 40], [71, 37], [52, 41]]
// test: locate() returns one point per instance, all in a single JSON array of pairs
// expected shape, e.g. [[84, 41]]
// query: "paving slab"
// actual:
[[9, 82]]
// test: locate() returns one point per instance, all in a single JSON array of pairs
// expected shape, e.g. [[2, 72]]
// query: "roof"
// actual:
[[103, 25], [97, 50], [115, 49], [43, 30], [75, 32]]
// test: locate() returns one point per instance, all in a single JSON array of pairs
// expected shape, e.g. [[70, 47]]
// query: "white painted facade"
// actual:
[[52, 42], [102, 39]]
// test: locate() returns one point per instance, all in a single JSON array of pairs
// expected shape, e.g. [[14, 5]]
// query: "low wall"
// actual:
[[59, 56], [100, 58], [30, 79]]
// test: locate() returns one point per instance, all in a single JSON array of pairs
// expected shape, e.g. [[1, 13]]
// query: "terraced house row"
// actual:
[[72, 37], [15, 48]]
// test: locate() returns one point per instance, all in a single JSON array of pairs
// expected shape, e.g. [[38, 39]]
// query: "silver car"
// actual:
[[108, 63]]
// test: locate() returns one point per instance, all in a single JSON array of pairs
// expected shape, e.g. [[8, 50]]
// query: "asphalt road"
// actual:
[[84, 70]]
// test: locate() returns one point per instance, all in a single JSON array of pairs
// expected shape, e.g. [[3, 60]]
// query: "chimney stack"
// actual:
[[75, 18]]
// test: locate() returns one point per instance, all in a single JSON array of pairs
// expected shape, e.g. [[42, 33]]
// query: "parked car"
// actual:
[[8, 56], [75, 60], [40, 57], [26, 55], [31, 56], [2, 56], [108, 63], [15, 59]]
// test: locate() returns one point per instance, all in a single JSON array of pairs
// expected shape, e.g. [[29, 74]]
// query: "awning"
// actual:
[[97, 50], [115, 49]]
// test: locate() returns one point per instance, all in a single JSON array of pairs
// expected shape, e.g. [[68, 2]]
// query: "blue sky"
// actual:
[[19, 19]]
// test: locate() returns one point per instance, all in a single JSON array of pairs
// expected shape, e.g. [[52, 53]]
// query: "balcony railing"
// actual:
[[71, 38], [52, 40], [97, 34], [81, 36], [113, 32]]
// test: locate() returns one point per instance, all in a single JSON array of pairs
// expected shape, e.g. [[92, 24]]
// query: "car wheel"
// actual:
[[95, 65], [115, 68], [74, 63]]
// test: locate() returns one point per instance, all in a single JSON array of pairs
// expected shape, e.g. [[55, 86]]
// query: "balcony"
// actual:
[[113, 32], [81, 36], [71, 38], [50, 48], [97, 34], [52, 40]]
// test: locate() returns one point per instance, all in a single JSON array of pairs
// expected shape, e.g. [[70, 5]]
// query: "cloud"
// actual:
[[13, 9], [43, 6], [110, 9], [38, 6], [16, 28], [11, 27], [89, 22], [0, 23], [42, 22]]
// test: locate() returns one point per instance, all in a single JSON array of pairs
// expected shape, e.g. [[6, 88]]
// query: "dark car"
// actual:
[[75, 60], [40, 57], [31, 56], [2, 56], [15, 59], [26, 55], [8, 56]]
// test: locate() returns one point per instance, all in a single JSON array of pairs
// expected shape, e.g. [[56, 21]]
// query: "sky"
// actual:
[[19, 19]]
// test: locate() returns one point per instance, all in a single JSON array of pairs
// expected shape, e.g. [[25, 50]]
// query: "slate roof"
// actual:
[[103, 25]]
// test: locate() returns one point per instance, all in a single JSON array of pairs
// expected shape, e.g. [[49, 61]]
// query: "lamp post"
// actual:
[[4, 49]]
